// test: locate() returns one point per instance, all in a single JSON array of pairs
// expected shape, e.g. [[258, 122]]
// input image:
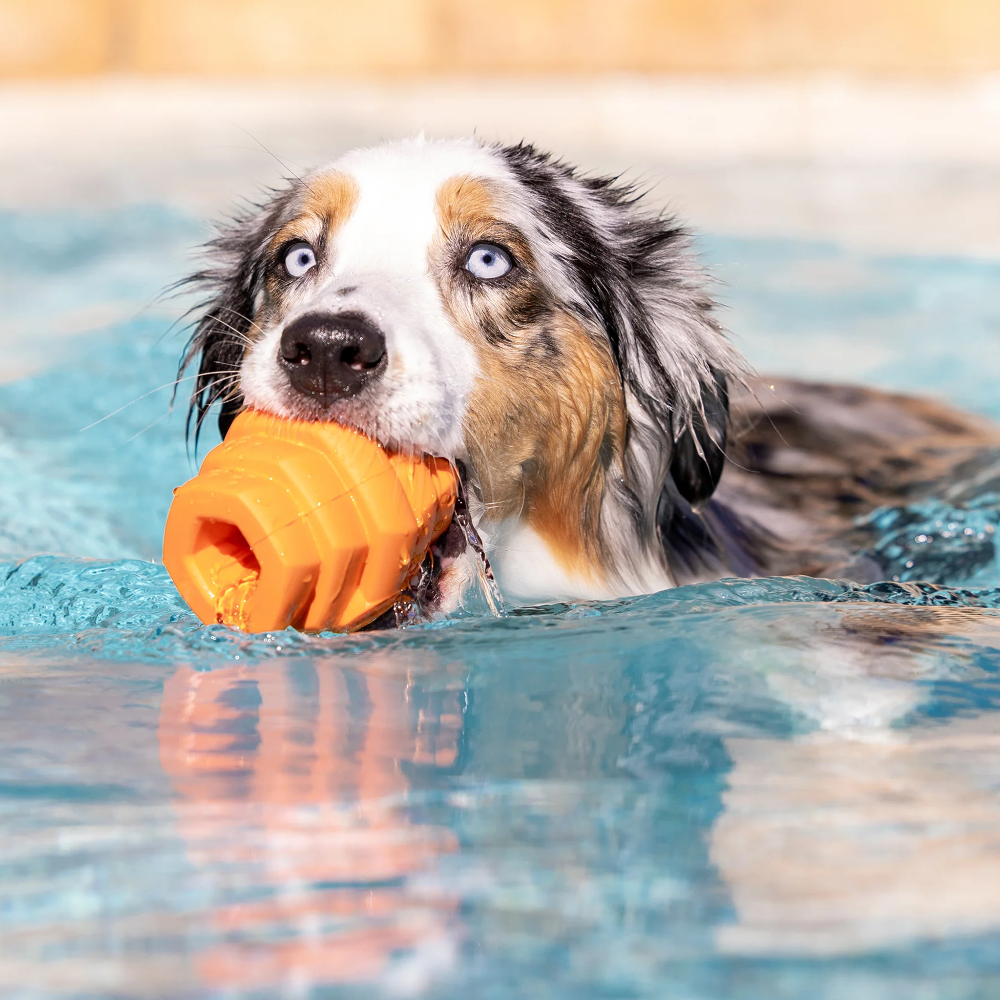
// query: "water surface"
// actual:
[[746, 790]]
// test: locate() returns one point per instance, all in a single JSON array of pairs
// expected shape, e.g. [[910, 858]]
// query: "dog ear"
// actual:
[[219, 338], [699, 453], [223, 331], [228, 412]]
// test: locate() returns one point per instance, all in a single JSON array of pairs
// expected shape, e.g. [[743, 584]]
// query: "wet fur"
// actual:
[[607, 406]]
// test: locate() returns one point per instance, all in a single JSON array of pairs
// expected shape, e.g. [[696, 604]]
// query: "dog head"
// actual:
[[490, 305]]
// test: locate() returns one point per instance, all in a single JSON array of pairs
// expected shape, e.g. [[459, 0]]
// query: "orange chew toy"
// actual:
[[305, 524]]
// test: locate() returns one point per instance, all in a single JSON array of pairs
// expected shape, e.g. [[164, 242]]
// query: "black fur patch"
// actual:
[[612, 267], [699, 455], [607, 266], [222, 333]]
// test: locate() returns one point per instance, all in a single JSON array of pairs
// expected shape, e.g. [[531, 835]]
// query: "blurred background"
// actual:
[[834, 137], [400, 37]]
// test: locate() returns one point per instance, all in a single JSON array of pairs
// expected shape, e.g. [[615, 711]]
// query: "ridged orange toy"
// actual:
[[311, 525]]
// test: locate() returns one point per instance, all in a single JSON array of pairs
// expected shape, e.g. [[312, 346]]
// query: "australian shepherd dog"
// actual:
[[559, 342]]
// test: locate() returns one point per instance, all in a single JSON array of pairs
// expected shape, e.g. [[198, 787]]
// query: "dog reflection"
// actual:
[[291, 785], [864, 834]]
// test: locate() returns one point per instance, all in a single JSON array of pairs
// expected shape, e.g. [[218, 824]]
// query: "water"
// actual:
[[746, 790]]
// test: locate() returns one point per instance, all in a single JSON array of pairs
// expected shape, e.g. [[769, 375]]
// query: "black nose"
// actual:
[[332, 356]]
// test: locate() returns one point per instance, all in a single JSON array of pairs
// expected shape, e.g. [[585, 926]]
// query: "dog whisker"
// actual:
[[239, 334], [146, 428], [281, 163], [245, 319], [125, 406]]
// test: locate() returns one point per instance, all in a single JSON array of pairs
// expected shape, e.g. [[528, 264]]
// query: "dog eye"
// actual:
[[487, 261], [299, 259]]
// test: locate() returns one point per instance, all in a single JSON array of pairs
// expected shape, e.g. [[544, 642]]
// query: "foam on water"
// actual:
[[777, 788]]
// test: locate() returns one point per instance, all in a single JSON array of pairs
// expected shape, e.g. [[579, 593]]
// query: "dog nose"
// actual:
[[332, 356]]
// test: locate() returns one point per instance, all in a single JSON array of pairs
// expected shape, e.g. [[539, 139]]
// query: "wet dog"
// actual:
[[558, 341]]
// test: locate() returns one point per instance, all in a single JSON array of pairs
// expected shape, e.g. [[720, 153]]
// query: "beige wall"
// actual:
[[53, 36], [345, 37]]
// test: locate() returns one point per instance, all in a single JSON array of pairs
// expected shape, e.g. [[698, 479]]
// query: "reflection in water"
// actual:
[[864, 833], [831, 845], [291, 781], [305, 791], [648, 803]]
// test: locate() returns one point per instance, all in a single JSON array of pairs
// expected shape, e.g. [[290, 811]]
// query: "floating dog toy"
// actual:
[[311, 525]]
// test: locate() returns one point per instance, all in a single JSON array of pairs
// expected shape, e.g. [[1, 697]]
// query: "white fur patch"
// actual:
[[378, 265], [527, 571]]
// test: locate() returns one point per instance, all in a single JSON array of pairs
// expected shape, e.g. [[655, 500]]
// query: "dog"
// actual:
[[559, 342]]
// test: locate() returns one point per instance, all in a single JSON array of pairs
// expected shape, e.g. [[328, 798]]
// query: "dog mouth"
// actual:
[[332, 370], [423, 598]]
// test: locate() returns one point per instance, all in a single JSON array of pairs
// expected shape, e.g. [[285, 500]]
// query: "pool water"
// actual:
[[753, 790]]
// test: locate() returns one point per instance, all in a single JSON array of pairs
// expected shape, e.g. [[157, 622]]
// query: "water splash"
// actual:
[[934, 540], [129, 609], [488, 586]]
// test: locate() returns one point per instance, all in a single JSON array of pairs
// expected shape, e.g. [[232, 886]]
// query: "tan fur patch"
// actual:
[[547, 417], [465, 202], [328, 201], [543, 436], [466, 210], [332, 198]]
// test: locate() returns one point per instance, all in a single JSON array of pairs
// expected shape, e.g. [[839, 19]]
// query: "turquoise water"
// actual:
[[747, 790]]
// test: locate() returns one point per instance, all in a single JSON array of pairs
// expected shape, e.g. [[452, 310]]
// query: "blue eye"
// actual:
[[299, 259], [487, 261]]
